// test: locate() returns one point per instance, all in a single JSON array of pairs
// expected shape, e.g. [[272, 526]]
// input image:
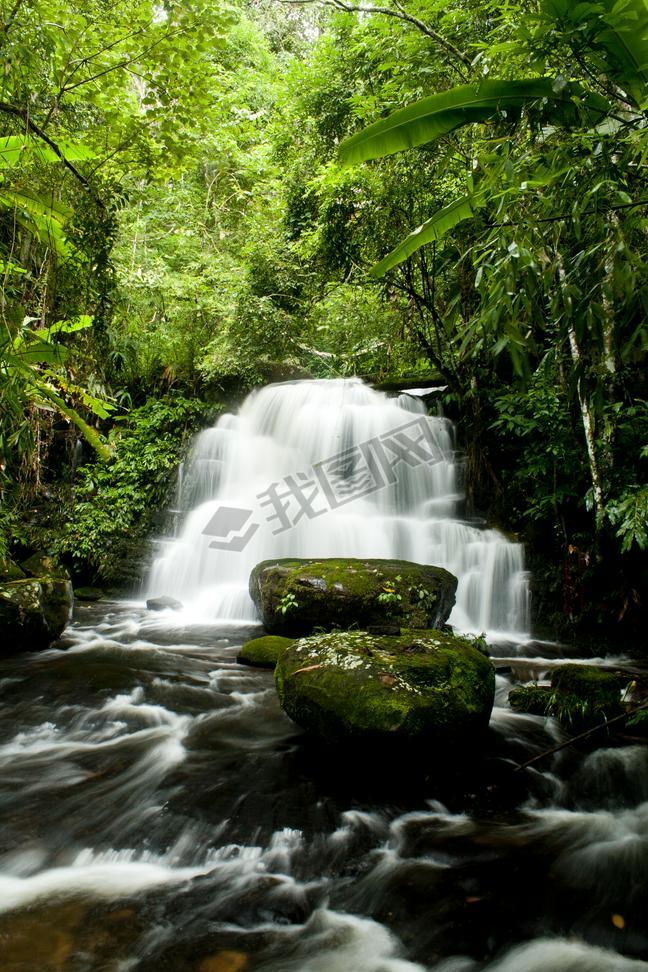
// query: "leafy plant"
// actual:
[[287, 604]]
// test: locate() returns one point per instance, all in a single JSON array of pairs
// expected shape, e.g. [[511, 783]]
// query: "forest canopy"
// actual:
[[198, 197]]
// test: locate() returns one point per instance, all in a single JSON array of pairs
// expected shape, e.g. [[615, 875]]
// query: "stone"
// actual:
[[33, 613], [423, 686], [580, 697], [295, 597], [163, 603], [263, 652], [42, 564], [88, 593], [9, 571]]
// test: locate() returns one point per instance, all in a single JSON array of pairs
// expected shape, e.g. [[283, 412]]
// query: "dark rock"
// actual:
[[42, 564], [580, 698], [163, 602], [424, 686], [9, 571], [33, 613], [294, 597], [88, 593], [384, 629], [593, 685], [263, 652]]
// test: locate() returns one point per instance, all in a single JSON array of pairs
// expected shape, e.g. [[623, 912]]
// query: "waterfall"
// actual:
[[332, 468]]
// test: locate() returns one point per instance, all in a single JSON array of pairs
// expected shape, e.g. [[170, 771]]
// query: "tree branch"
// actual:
[[400, 14], [31, 126]]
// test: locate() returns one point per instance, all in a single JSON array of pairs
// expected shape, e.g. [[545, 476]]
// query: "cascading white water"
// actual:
[[269, 482]]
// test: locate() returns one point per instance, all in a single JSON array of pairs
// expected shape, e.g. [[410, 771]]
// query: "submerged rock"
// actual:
[[33, 612], [297, 596], [163, 603], [263, 652], [426, 686]]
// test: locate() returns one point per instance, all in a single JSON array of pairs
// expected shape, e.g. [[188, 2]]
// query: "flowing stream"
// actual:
[[160, 813]]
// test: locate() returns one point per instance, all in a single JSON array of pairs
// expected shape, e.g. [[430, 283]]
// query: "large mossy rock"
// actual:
[[9, 571], [33, 612], [580, 698], [427, 687], [294, 597], [263, 652]]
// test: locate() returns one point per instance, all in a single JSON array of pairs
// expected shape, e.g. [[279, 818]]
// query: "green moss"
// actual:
[[422, 684], [88, 593], [9, 571], [580, 698], [589, 683], [263, 652], [342, 592]]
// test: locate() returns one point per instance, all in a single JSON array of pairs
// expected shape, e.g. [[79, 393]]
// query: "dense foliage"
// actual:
[[195, 197]]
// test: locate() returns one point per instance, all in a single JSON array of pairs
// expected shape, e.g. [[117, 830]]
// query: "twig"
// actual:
[[399, 14], [23, 114], [582, 735], [564, 216]]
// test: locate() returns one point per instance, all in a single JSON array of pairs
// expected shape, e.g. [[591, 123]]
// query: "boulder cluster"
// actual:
[[371, 657]]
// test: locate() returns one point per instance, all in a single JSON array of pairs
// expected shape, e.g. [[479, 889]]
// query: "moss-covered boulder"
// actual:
[[294, 597], [88, 593], [9, 571], [263, 652], [580, 696], [42, 564], [33, 612], [428, 687]]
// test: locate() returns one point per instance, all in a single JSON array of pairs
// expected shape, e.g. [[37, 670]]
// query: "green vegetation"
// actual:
[[198, 197], [422, 685]]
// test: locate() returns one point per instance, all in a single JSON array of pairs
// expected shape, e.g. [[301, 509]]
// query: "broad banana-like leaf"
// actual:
[[16, 149], [432, 229], [35, 352], [466, 104], [80, 323], [42, 215]]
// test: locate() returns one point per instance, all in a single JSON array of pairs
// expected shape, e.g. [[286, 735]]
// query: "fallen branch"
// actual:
[[582, 735]]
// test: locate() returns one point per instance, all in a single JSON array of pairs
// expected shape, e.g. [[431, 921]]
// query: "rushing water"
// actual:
[[159, 812], [389, 501]]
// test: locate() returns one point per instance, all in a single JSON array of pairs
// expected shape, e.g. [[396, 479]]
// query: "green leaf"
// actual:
[[90, 435], [466, 104], [80, 323], [433, 229], [42, 215]]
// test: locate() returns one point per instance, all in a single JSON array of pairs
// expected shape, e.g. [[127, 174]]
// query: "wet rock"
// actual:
[[384, 629], [88, 593], [33, 612], [580, 696], [295, 597], [42, 564], [263, 652], [163, 603], [423, 686], [9, 571]]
